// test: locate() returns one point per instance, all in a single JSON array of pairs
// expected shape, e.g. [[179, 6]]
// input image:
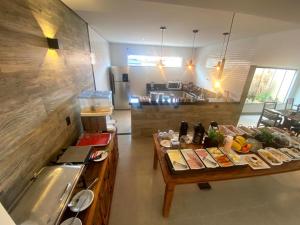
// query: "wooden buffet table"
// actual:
[[99, 211], [205, 176]]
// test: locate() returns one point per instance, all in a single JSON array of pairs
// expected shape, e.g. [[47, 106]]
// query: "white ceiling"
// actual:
[[138, 21]]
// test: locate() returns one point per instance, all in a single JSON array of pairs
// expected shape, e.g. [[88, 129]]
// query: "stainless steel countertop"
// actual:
[[44, 201]]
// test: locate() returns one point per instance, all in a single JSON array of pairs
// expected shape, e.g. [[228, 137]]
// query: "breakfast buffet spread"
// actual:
[[227, 146]]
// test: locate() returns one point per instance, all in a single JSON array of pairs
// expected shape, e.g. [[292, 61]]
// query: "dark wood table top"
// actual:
[[216, 174]]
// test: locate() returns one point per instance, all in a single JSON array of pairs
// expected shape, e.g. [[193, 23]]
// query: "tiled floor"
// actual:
[[123, 119], [249, 120], [138, 196]]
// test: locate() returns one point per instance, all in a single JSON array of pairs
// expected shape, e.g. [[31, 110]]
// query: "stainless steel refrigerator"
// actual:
[[120, 86]]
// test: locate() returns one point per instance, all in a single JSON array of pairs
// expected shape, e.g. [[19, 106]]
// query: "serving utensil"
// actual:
[[178, 163], [210, 161]]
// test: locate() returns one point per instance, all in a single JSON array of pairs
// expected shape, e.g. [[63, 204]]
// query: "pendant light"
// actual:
[[160, 63], [228, 39], [218, 66], [221, 64], [191, 65]]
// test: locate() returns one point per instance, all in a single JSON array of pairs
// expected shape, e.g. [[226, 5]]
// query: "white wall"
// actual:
[[100, 49], [280, 50], [5, 217], [139, 76]]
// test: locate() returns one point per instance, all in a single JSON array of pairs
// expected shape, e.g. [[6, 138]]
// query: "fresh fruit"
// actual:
[[236, 146], [241, 140]]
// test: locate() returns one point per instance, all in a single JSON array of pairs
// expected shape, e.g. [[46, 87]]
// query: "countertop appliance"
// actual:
[[75, 154], [46, 198], [120, 86], [174, 85]]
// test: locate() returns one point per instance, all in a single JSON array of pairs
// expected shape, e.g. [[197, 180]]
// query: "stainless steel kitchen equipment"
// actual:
[[174, 85], [75, 154], [120, 86], [46, 198]]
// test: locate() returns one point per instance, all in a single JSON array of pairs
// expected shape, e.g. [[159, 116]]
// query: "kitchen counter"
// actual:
[[148, 118]]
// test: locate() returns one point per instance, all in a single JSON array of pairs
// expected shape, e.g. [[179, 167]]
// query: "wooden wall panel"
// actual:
[[38, 86]]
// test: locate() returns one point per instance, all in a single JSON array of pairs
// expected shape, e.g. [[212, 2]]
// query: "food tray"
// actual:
[[234, 129], [206, 158], [237, 159], [226, 131], [269, 157], [220, 157], [94, 139], [294, 154], [177, 161], [192, 159], [247, 130], [255, 162], [279, 155]]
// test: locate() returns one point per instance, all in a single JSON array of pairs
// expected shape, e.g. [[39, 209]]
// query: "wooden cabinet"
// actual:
[[98, 213]]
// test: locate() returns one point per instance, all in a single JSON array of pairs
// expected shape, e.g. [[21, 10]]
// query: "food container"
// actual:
[[46, 198], [255, 162], [293, 153], [95, 102], [269, 157], [192, 159], [234, 157], [279, 155], [220, 157], [177, 160], [206, 158]]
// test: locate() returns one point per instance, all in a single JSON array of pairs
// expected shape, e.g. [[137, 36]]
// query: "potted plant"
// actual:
[[214, 139]]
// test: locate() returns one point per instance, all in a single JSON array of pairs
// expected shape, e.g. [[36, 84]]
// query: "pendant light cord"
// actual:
[[193, 46], [162, 41], [222, 50], [229, 34], [194, 39]]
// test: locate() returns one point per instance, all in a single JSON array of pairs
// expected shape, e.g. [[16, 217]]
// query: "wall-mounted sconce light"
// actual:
[[52, 43]]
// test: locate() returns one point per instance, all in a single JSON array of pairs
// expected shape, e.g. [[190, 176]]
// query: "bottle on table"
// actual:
[[228, 143], [183, 129], [199, 132]]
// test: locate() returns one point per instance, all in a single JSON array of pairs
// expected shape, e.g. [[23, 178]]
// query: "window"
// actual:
[[145, 60], [270, 84]]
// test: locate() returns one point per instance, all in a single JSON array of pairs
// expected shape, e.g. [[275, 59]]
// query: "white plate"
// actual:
[[265, 153], [82, 200], [76, 221], [206, 158], [294, 155], [165, 143], [192, 159], [280, 155], [255, 162], [103, 156]]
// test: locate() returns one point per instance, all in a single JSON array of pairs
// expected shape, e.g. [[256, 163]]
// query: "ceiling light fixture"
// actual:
[[160, 63], [228, 39], [191, 64], [218, 66]]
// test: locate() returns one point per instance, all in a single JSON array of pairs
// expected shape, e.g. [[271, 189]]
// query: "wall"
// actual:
[[100, 50], [139, 76], [280, 50], [38, 86]]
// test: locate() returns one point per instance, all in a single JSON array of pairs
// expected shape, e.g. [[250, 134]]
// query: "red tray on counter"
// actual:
[[94, 139]]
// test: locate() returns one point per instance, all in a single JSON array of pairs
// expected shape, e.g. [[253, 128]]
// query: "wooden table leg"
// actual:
[[155, 159], [169, 192]]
